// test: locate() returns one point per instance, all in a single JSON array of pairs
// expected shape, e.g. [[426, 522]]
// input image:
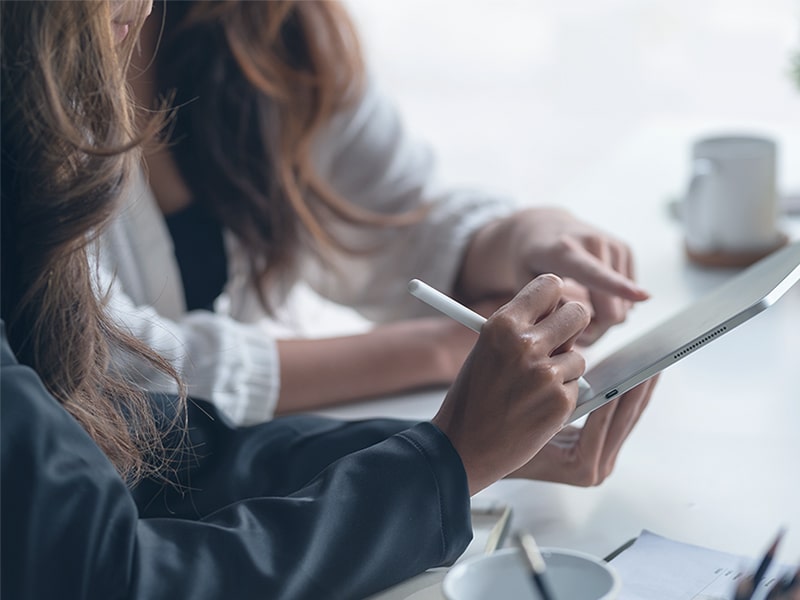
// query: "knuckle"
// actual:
[[545, 372], [580, 360], [617, 313], [564, 243], [545, 376], [601, 473], [567, 402], [501, 327], [580, 309], [587, 476], [596, 239], [509, 337], [563, 402], [595, 243]]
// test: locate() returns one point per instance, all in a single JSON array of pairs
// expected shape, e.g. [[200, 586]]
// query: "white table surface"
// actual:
[[714, 458]]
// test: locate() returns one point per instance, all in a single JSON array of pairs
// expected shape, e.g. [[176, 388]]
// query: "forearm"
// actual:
[[390, 358]]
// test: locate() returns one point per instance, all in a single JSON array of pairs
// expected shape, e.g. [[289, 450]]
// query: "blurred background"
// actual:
[[591, 104], [528, 96]]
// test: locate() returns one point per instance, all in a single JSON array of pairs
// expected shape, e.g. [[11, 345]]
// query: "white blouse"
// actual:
[[230, 356]]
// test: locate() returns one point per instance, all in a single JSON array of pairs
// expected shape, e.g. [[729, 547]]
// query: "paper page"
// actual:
[[657, 568]]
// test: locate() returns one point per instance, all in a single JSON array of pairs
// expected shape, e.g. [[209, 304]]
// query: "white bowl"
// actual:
[[505, 574]]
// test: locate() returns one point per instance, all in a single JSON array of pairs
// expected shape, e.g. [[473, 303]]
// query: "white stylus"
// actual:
[[467, 317]]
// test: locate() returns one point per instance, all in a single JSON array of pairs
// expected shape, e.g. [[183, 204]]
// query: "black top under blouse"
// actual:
[[200, 251]]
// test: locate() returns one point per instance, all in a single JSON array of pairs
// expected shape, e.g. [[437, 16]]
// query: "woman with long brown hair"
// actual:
[[284, 165], [67, 157], [110, 492]]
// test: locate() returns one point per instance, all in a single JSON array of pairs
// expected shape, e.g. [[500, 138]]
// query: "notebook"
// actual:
[[699, 324], [654, 567]]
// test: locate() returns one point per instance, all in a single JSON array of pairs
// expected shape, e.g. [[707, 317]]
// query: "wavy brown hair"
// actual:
[[255, 83], [68, 145]]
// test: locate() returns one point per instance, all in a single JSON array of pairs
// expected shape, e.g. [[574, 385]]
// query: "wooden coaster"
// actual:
[[722, 259]]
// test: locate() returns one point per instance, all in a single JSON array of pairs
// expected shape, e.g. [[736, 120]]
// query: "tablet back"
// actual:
[[700, 323]]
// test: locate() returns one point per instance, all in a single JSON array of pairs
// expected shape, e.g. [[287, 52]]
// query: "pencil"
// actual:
[[499, 532], [538, 570], [747, 587], [787, 588], [767, 560], [467, 317]]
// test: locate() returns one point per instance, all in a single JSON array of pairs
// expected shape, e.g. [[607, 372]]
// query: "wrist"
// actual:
[[437, 363], [478, 475], [487, 268]]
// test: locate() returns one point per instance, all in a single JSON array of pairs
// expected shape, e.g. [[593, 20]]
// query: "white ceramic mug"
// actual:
[[506, 574], [730, 210]]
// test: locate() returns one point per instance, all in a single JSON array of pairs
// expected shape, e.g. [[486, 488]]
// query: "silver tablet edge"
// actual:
[[605, 396]]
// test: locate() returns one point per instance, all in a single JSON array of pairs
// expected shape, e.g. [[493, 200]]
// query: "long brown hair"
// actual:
[[68, 145], [255, 83]]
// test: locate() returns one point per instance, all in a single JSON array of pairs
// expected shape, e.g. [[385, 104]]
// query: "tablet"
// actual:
[[705, 320]]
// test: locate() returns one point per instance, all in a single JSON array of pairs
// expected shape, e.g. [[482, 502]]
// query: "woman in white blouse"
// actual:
[[284, 164]]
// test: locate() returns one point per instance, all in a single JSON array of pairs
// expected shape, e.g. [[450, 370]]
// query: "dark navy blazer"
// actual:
[[299, 507]]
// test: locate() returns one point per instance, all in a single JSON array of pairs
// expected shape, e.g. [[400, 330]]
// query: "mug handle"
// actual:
[[697, 209]]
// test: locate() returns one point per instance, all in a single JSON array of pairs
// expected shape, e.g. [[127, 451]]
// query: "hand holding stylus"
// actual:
[[502, 367], [467, 317], [519, 384]]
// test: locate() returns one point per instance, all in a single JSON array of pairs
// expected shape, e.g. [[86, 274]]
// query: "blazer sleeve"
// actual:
[[317, 511]]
